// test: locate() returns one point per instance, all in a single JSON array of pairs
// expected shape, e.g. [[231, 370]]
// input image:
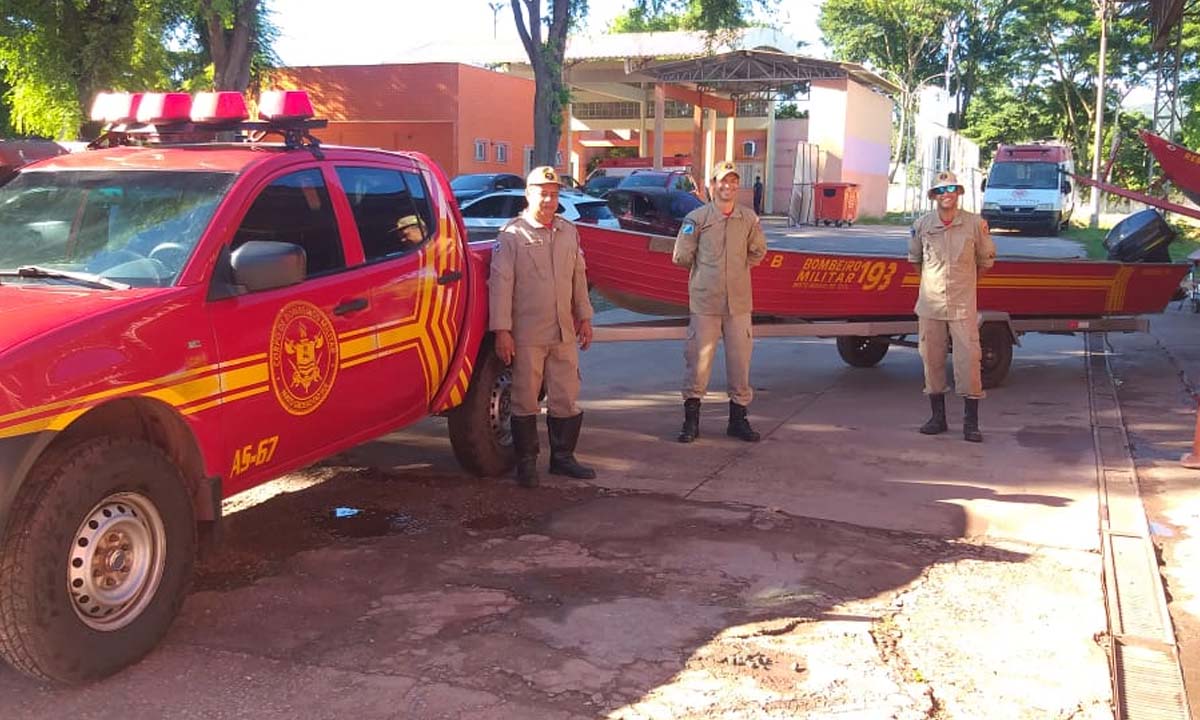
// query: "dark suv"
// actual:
[[473, 185], [655, 210], [668, 179]]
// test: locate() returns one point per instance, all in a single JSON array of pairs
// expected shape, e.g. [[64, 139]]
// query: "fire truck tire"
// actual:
[[479, 427], [96, 560], [995, 345], [862, 350]]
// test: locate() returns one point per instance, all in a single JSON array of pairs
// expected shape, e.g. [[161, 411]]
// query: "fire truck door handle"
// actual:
[[351, 306], [449, 277]]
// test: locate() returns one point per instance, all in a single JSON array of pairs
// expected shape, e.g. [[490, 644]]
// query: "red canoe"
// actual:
[[634, 271], [1180, 165]]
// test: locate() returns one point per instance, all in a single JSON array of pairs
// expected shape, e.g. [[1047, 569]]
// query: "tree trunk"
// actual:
[[547, 118], [232, 49], [546, 59]]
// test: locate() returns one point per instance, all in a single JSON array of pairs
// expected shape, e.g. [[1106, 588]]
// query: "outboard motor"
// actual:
[[1141, 237]]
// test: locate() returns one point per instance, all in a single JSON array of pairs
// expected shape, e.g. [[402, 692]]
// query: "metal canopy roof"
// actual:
[[757, 72]]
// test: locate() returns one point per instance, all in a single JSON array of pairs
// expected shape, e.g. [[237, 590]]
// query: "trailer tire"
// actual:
[[862, 350], [96, 560], [995, 345], [479, 428]]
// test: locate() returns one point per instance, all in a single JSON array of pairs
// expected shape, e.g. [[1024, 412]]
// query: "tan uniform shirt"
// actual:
[[538, 284], [720, 252], [951, 259]]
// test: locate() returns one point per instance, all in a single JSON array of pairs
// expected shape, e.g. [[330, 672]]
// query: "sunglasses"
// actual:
[[946, 189]]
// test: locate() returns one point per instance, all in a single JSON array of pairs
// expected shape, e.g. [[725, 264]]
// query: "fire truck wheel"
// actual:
[[479, 427], [995, 345], [96, 560], [862, 350]]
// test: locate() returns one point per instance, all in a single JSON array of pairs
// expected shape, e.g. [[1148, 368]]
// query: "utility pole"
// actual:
[[496, 8], [1094, 215]]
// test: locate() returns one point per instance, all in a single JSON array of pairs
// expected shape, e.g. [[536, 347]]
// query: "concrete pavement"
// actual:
[[844, 567]]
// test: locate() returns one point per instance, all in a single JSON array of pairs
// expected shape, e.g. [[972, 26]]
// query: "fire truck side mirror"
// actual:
[[267, 264]]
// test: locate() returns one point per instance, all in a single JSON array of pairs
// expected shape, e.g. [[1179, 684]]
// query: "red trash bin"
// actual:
[[837, 203]]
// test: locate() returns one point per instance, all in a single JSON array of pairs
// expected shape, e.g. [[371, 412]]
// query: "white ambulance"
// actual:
[[1027, 188]]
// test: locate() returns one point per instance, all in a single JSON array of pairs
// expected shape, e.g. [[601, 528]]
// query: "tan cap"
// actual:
[[543, 175], [724, 168], [408, 220], [945, 179]]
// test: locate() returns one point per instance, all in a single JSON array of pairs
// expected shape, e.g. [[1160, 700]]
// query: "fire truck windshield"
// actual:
[[133, 227], [1029, 175]]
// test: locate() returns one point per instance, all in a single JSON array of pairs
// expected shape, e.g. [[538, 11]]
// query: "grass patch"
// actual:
[[891, 218]]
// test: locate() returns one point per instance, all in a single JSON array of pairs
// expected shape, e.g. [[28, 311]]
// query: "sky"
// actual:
[[369, 31]]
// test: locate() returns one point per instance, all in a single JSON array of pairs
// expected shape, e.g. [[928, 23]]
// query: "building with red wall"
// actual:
[[466, 118]]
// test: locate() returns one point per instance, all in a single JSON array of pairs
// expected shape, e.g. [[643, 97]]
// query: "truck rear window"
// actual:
[[136, 227]]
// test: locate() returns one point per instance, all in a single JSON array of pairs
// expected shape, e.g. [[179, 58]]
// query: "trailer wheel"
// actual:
[[96, 561], [995, 345], [862, 350], [479, 428]]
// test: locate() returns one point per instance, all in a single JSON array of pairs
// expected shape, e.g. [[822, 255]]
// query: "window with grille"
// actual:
[[481, 150]]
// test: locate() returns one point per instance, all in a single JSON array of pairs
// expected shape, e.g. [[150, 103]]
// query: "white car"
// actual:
[[484, 216]]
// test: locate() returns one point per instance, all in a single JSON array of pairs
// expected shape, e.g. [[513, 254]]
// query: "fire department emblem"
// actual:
[[303, 357]]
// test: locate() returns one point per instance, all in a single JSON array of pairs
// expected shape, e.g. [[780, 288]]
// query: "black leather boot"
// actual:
[[739, 426], [564, 434], [691, 420], [525, 443], [937, 422], [971, 421]]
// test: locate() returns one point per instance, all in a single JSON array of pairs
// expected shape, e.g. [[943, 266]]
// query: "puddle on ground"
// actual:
[[352, 522], [494, 521]]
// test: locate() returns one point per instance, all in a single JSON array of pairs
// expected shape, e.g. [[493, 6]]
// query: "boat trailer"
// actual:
[[864, 343]]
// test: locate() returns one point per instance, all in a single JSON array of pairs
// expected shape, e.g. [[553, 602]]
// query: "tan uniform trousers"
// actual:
[[932, 343], [558, 366], [703, 333]]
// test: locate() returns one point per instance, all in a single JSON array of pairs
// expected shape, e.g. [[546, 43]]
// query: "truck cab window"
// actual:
[[389, 218], [295, 209]]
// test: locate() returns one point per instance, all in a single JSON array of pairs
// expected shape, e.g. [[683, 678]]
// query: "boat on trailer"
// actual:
[[867, 301]]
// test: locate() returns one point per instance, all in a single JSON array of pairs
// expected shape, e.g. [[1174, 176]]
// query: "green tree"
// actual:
[[901, 39], [545, 50], [56, 55]]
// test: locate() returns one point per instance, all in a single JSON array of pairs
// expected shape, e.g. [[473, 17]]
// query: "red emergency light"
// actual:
[[282, 105], [165, 108], [115, 107], [219, 107]]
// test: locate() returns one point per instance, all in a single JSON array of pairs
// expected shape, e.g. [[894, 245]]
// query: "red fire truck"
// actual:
[[186, 318]]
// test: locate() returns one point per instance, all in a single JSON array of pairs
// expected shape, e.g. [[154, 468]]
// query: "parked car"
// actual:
[[599, 185], [654, 210], [669, 179], [484, 216], [473, 185]]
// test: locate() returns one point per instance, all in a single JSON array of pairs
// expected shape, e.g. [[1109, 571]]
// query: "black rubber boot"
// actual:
[[739, 426], [564, 434], [937, 423], [525, 443], [691, 420], [971, 421]]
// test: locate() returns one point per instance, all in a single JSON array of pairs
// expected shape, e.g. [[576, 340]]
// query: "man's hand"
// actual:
[[583, 331], [505, 347]]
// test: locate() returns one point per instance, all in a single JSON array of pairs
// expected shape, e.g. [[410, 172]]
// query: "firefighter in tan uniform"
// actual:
[[951, 248], [719, 242], [539, 310]]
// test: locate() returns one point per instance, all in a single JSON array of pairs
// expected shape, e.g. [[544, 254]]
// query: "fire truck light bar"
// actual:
[[115, 107], [163, 108], [217, 107], [276, 105]]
